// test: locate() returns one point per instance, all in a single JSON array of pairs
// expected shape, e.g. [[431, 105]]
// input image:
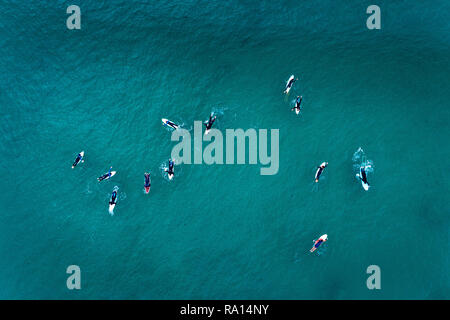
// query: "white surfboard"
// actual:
[[287, 83], [206, 131], [324, 237], [297, 110], [365, 185], [112, 174], [111, 208], [170, 175], [169, 123]]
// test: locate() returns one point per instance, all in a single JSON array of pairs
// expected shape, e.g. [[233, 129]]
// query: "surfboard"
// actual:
[[169, 123], [111, 208], [365, 185]]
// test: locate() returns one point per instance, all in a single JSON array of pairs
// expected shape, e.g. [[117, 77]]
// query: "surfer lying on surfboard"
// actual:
[[289, 84], [318, 242], [363, 177], [169, 171], [320, 170], [210, 122], [113, 201], [169, 123], [78, 159], [107, 175], [147, 183], [298, 102]]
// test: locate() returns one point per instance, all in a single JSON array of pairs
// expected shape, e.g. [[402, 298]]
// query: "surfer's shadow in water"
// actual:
[[298, 258], [88, 189]]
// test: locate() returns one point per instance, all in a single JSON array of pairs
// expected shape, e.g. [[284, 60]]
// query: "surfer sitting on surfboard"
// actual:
[[298, 102], [105, 176], [320, 170], [169, 171], [210, 122]]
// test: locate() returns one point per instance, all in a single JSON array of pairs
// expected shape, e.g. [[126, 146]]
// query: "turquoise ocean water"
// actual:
[[224, 231]]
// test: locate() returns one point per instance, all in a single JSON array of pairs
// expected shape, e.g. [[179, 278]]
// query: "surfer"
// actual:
[[78, 159], [169, 123], [113, 197], [210, 123], [147, 182], [298, 102], [320, 170], [363, 175], [106, 175], [113, 200], [169, 171], [318, 242], [289, 84]]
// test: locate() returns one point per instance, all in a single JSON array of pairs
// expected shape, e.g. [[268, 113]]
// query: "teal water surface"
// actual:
[[224, 231]]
